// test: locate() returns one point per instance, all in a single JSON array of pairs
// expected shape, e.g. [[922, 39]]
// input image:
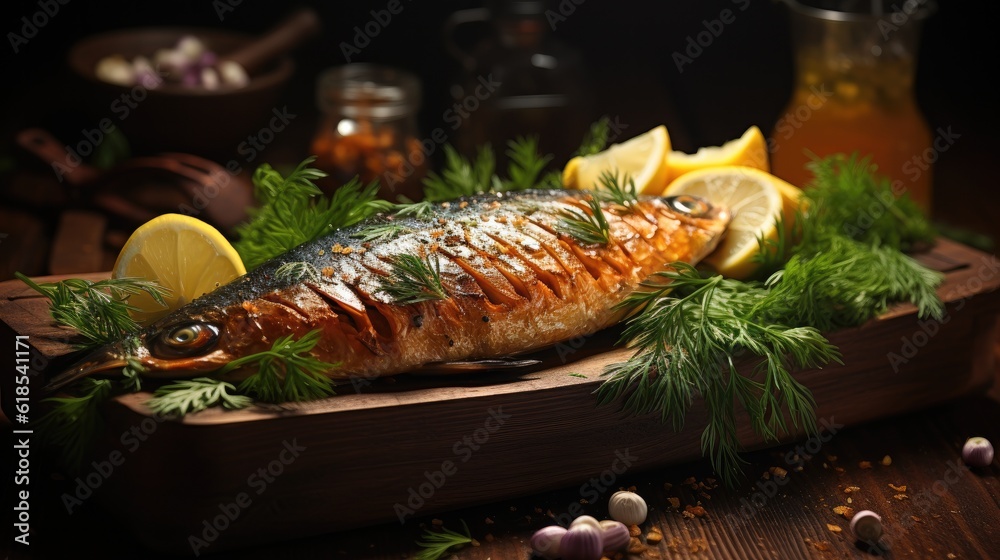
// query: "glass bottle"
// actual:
[[853, 92], [517, 80], [369, 129]]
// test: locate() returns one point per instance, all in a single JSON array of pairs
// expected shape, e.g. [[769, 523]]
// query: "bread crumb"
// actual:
[[833, 528], [851, 489], [901, 497], [675, 502], [865, 464], [654, 537], [897, 488], [634, 531], [635, 546], [778, 472], [846, 512], [886, 461], [696, 511], [821, 546]]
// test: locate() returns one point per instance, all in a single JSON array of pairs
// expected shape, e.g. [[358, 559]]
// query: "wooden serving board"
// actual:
[[410, 446]]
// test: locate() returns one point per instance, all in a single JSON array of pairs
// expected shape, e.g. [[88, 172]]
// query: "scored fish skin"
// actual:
[[515, 283]]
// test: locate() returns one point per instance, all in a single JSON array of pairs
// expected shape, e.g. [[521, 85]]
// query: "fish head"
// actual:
[[191, 341]]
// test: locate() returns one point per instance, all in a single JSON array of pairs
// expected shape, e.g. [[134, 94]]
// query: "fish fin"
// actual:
[[473, 366]]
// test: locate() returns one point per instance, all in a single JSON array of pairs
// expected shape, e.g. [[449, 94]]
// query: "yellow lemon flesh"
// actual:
[[643, 158], [756, 199], [183, 254], [749, 150]]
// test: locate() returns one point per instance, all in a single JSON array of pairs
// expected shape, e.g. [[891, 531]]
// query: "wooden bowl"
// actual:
[[172, 117]]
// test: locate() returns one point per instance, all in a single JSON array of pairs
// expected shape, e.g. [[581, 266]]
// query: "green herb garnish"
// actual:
[[423, 210], [73, 424], [97, 310], [620, 192], [437, 544], [286, 372], [296, 271], [688, 329], [587, 228], [462, 177], [413, 280], [596, 139], [379, 233], [293, 211], [193, 395]]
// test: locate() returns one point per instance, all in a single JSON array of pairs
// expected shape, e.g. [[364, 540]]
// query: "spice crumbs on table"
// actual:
[[635, 546], [901, 497], [634, 531], [674, 502], [845, 511], [865, 464], [851, 489], [833, 528], [897, 488]]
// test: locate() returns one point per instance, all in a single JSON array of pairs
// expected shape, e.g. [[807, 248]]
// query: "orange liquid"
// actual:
[[870, 111]]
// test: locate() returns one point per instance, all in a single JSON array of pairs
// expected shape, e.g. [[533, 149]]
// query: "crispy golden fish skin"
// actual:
[[515, 282]]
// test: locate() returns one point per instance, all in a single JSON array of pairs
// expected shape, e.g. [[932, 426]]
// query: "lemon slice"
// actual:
[[749, 150], [183, 254], [756, 200], [643, 158]]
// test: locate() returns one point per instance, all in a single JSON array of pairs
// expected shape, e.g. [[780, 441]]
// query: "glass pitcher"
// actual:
[[853, 92]]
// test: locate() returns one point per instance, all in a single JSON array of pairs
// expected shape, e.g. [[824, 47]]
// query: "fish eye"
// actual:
[[185, 339], [691, 205]]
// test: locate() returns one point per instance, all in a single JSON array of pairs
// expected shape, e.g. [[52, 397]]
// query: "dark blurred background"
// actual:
[[627, 49]]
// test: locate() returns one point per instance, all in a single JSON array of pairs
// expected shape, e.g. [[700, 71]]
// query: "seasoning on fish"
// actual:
[[491, 276]]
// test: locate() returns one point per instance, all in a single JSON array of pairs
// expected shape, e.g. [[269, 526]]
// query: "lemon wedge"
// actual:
[[756, 198], [643, 158], [749, 150], [183, 254]]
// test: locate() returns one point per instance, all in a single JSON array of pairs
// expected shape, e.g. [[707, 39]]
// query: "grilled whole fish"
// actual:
[[513, 282]]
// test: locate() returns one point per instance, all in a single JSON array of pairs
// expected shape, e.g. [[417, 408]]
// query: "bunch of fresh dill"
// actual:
[[841, 264], [463, 177]]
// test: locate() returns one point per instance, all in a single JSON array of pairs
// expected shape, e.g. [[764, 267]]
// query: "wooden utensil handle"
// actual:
[[294, 30], [47, 148]]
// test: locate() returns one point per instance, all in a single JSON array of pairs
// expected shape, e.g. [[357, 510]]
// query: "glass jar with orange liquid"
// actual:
[[853, 93]]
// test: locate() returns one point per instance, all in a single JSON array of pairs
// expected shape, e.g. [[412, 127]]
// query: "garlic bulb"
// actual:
[[977, 452], [615, 535], [545, 542], [627, 507], [582, 542]]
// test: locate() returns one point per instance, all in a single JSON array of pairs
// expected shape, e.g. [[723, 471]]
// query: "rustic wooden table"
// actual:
[[944, 511]]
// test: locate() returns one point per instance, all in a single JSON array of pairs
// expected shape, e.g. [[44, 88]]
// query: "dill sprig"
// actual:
[[620, 192], [848, 197], [824, 274], [412, 279], [463, 177], [423, 210], [526, 165], [73, 424], [379, 233], [437, 544], [293, 211], [287, 372], [589, 228], [193, 395], [596, 139], [296, 271], [97, 310], [685, 344]]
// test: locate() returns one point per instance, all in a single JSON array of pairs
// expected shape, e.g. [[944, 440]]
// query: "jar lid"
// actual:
[[368, 90]]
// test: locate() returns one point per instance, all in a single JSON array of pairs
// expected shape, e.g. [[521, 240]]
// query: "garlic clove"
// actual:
[[977, 452], [545, 542], [627, 507], [614, 534], [115, 69], [586, 520], [582, 542], [866, 526]]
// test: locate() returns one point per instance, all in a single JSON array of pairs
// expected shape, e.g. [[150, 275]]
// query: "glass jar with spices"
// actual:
[[369, 129]]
